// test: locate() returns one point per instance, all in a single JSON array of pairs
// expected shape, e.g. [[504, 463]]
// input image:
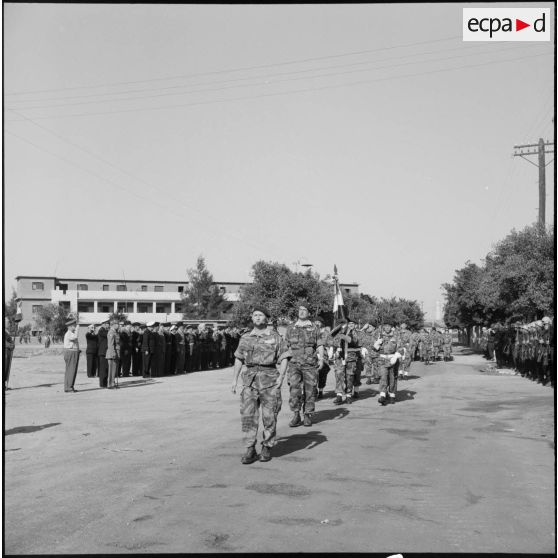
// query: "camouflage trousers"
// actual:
[[406, 363], [302, 380], [347, 375], [251, 399], [371, 369], [388, 376], [447, 351]]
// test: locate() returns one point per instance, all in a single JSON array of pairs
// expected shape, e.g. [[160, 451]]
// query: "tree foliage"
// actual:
[[51, 318], [202, 299], [281, 291], [516, 280], [10, 309]]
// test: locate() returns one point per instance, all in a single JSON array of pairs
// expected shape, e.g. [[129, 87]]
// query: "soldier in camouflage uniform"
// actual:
[[323, 371], [404, 343], [346, 361], [447, 341], [260, 350], [386, 351], [366, 337], [306, 344], [425, 346]]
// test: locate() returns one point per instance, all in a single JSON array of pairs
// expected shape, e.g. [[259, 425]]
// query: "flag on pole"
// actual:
[[19, 314], [339, 311]]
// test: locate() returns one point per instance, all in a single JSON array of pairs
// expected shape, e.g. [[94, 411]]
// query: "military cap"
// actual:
[[319, 319], [71, 321], [546, 320], [539, 323], [127, 322], [120, 323], [179, 323], [261, 309], [135, 324], [151, 324], [142, 326], [107, 321]]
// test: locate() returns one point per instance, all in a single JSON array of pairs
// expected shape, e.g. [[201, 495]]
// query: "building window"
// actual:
[[35, 308], [106, 307], [348, 291], [125, 307], [106, 288], [177, 308], [180, 289], [223, 290], [158, 288], [38, 286], [121, 287], [145, 307], [144, 288], [85, 307], [82, 287], [163, 308]]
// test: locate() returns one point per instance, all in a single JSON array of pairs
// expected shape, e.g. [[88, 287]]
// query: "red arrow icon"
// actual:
[[519, 25]]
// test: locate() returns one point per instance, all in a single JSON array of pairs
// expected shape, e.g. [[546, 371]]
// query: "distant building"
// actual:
[[96, 299]]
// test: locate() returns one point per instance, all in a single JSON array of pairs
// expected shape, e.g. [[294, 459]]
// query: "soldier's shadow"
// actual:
[[329, 414], [297, 442], [404, 395]]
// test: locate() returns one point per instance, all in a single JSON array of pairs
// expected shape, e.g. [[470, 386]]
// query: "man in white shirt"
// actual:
[[71, 355]]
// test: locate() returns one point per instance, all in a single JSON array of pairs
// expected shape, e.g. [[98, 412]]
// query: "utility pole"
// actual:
[[538, 149]]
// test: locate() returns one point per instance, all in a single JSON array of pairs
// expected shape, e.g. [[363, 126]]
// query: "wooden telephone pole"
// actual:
[[538, 149]]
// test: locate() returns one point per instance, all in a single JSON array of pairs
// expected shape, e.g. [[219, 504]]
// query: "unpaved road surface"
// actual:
[[463, 462]]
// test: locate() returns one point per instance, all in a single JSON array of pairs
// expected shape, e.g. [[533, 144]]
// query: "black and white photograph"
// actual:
[[279, 278]]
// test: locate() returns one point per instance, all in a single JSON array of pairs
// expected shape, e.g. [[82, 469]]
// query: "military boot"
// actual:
[[307, 419], [266, 453], [250, 456], [295, 421]]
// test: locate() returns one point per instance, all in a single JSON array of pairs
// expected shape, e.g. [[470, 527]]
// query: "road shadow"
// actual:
[[29, 429], [123, 385], [409, 377], [367, 393], [37, 386], [329, 414], [297, 442]]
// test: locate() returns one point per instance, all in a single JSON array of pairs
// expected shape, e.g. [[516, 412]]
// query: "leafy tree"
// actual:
[[10, 309], [51, 318], [202, 299]]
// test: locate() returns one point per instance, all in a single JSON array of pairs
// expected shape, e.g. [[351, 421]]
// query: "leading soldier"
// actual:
[[260, 350], [386, 352]]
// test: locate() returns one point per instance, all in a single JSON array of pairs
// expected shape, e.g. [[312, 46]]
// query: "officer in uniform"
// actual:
[[125, 360], [91, 350], [260, 351], [173, 348], [135, 347], [102, 351], [180, 348], [148, 349], [404, 343], [305, 341], [323, 371]]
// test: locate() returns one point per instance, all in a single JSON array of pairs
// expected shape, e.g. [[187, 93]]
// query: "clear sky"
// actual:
[[137, 137]]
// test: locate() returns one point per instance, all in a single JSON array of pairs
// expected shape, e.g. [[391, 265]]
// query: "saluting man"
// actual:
[[260, 350]]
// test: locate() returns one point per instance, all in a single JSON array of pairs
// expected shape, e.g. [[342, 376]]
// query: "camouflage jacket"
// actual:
[[303, 341]]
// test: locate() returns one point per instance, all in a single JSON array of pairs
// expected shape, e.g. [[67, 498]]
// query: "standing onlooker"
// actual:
[[136, 338], [148, 350], [71, 355], [180, 348], [9, 345], [101, 353], [91, 351], [125, 349], [113, 352]]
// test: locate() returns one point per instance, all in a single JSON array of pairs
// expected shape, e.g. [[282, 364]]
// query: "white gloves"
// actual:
[[364, 351], [378, 344]]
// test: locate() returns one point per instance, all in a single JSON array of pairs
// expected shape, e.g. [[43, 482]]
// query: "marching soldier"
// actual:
[[260, 350], [323, 371], [305, 342], [386, 351], [404, 343], [447, 341], [347, 357]]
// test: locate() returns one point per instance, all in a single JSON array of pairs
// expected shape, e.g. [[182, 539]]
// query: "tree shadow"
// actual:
[[29, 429], [329, 414], [298, 442], [123, 385]]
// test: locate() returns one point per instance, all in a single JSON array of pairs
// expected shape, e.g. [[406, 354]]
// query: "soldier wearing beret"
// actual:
[[260, 351], [306, 344]]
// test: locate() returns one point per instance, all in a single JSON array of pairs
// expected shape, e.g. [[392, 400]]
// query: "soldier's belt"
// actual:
[[260, 366]]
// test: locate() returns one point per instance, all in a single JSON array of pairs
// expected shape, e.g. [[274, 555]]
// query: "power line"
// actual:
[[281, 93], [333, 74], [241, 68], [132, 192], [266, 76]]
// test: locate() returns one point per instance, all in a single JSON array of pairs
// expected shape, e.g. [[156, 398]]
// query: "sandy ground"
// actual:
[[463, 462]]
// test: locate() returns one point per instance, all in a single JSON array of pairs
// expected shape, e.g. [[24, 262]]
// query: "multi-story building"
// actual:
[[96, 299]]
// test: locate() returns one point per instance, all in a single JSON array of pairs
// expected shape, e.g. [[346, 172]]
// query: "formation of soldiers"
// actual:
[[527, 348], [306, 353], [160, 349]]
